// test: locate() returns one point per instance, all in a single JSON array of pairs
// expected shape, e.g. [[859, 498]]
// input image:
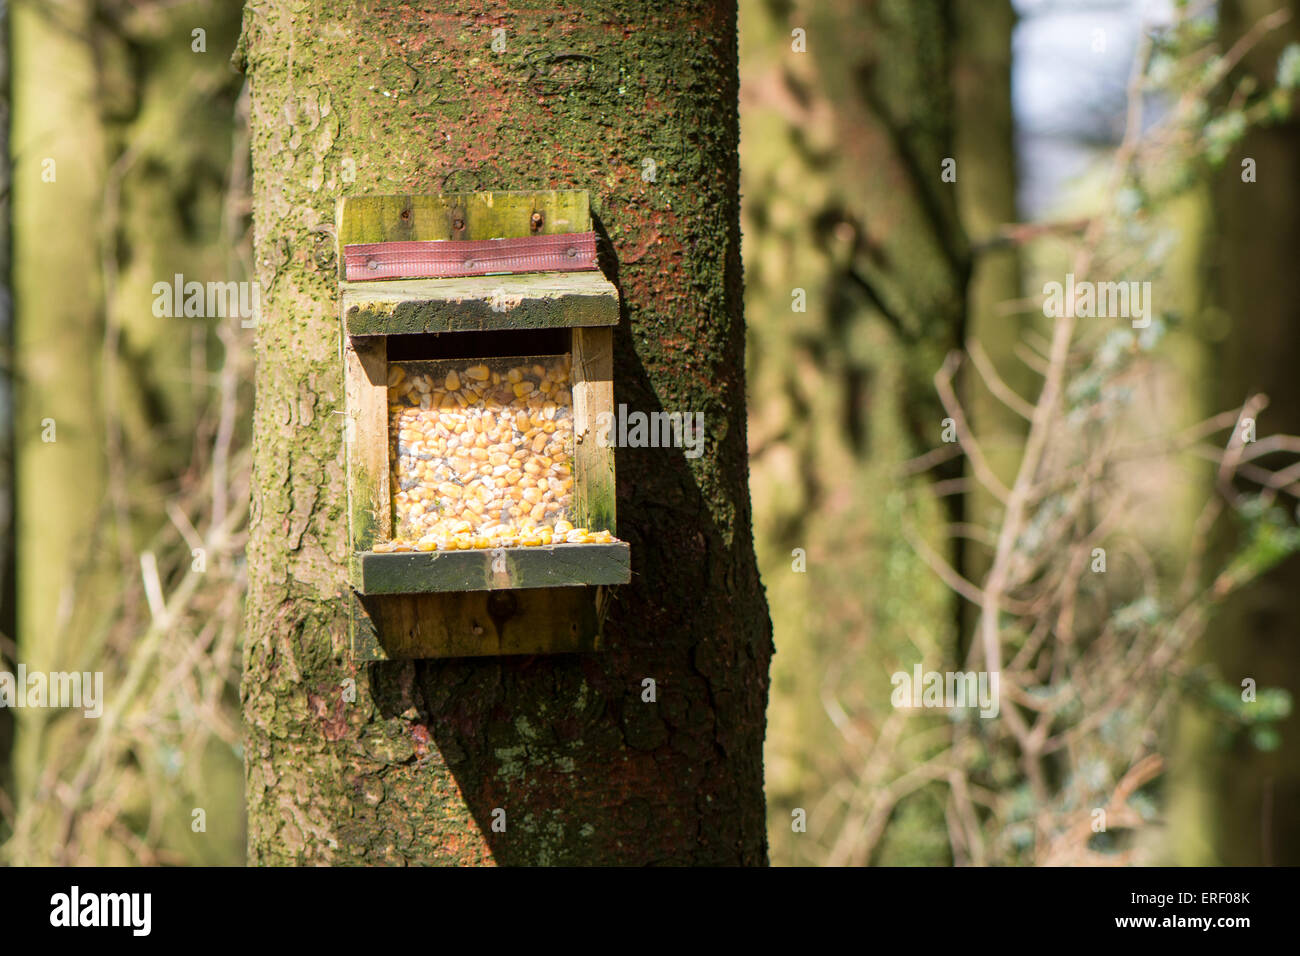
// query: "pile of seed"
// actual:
[[482, 454]]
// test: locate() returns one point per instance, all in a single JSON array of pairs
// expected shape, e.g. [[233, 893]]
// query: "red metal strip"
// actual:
[[448, 258]]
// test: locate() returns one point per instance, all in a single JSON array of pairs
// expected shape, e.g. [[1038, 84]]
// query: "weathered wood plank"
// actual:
[[479, 303], [475, 624], [547, 566], [593, 395], [498, 214], [365, 437], [363, 638]]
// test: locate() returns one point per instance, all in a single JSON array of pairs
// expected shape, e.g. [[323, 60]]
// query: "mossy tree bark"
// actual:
[[637, 103]]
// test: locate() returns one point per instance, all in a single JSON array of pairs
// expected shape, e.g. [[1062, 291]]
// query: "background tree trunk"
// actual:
[[845, 202], [415, 99], [8, 630], [58, 140], [124, 177], [1252, 794], [984, 144]]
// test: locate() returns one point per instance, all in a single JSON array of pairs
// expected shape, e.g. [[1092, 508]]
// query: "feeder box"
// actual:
[[478, 356]]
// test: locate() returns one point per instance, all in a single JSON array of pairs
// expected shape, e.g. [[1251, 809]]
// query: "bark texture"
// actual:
[[413, 97]]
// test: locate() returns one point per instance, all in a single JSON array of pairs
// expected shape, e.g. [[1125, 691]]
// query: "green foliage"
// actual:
[[1288, 67], [1270, 537], [1257, 719], [1223, 133]]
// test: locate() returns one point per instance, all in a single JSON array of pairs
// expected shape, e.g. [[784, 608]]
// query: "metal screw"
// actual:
[[537, 221], [571, 251], [372, 264]]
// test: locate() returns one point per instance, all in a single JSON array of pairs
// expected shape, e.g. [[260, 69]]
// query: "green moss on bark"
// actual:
[[415, 100]]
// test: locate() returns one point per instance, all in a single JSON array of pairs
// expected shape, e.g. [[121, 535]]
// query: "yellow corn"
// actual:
[[482, 468]]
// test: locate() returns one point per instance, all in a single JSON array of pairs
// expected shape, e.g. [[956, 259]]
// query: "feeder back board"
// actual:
[[477, 335]]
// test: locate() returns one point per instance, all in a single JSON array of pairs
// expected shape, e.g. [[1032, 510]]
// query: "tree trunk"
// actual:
[[637, 103], [122, 145], [846, 204], [59, 483], [8, 630], [984, 138], [1256, 283]]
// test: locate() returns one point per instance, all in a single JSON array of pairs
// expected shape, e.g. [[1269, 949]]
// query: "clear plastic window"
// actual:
[[482, 453]]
